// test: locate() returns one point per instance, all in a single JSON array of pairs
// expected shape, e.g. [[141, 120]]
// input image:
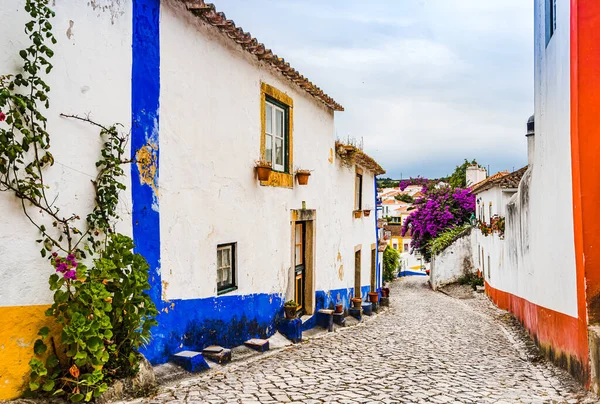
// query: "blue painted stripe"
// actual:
[[145, 94]]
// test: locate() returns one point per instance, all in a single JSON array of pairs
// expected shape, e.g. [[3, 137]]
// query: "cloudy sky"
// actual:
[[424, 83]]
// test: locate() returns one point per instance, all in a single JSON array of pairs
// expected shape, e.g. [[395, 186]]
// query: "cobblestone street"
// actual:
[[428, 347]]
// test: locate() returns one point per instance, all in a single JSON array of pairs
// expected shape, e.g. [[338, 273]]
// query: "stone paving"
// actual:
[[427, 348]]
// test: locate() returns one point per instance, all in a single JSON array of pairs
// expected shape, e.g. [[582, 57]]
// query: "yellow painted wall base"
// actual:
[[20, 325]]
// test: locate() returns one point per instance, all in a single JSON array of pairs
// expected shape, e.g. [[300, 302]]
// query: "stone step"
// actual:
[[260, 345], [217, 354], [191, 361]]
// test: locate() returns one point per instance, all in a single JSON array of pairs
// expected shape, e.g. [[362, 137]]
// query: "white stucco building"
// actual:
[[203, 100]]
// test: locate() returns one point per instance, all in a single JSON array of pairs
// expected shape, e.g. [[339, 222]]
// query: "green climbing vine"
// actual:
[[99, 283]]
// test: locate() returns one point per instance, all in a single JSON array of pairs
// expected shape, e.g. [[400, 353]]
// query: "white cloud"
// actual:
[[430, 81]]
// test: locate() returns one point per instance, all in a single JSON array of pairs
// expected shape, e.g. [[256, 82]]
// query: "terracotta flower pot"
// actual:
[[290, 312], [357, 302], [339, 308], [367, 213], [373, 297], [357, 214], [263, 173], [302, 178]]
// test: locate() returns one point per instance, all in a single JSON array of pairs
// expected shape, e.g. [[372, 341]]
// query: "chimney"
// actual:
[[475, 174], [530, 139]]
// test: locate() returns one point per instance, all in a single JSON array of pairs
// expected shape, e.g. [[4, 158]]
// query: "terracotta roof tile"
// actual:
[[512, 180], [359, 157], [502, 179], [208, 13], [481, 185]]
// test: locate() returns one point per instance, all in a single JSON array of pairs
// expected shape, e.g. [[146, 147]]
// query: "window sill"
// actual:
[[224, 291], [279, 179]]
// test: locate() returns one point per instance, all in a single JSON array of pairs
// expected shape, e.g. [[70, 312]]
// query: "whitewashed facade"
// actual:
[[194, 100]]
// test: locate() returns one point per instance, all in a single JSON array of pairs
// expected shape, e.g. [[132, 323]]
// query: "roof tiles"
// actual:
[[208, 13]]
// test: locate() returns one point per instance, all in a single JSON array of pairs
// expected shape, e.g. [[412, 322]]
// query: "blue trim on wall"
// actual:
[[411, 273], [145, 94], [327, 299], [227, 321]]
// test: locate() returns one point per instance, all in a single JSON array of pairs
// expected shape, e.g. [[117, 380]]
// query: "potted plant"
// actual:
[[357, 214], [367, 212], [373, 297], [291, 309], [357, 302], [302, 176], [263, 169], [339, 307], [385, 290]]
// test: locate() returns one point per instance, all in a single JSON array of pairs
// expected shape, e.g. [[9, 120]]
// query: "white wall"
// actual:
[[210, 138], [498, 198], [452, 263], [91, 75], [536, 260]]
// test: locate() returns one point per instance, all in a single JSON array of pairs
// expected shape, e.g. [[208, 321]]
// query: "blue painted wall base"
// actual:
[[292, 329]]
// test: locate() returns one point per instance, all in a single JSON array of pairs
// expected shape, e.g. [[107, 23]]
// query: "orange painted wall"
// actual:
[[552, 329], [20, 325], [585, 150]]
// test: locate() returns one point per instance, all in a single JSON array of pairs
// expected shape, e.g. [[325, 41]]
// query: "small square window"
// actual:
[[226, 262], [405, 246]]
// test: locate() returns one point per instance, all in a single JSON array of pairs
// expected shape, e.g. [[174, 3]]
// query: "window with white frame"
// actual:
[[226, 268], [276, 137]]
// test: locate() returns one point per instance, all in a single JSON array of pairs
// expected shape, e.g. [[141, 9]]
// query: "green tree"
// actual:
[[387, 183], [405, 198], [390, 263], [458, 179]]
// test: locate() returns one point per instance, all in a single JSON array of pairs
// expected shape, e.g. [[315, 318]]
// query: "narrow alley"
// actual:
[[428, 347]]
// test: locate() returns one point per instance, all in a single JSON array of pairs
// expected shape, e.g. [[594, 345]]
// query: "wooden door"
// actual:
[[300, 264], [357, 292], [373, 271]]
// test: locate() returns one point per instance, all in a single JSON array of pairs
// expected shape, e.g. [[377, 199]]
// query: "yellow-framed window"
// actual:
[[276, 142]]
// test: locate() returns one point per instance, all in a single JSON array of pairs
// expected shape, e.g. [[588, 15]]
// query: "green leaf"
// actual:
[[44, 332], [94, 343], [43, 252], [23, 54], [39, 347], [48, 386], [58, 392], [88, 396], [52, 362], [76, 397], [33, 386]]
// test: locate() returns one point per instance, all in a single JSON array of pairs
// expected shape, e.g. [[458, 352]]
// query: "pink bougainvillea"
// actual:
[[439, 209]]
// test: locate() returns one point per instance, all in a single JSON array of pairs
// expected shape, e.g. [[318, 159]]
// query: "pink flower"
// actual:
[[2, 116], [71, 274]]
